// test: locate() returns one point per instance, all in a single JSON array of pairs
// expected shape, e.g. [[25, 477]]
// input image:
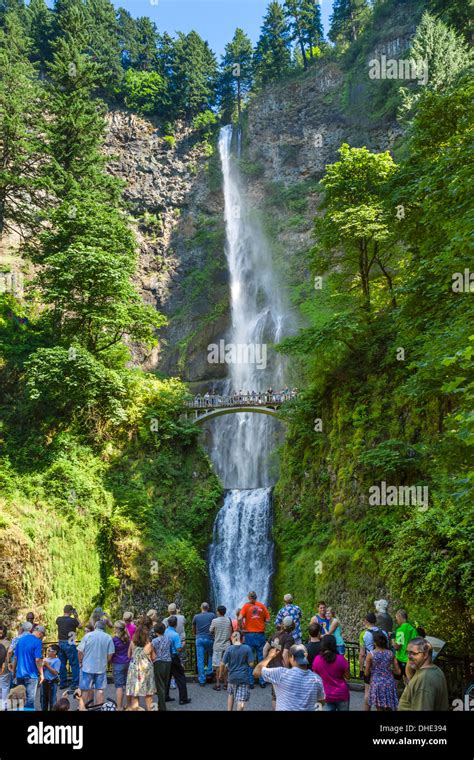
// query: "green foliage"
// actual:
[[347, 20], [170, 141], [236, 75], [144, 91], [194, 75]]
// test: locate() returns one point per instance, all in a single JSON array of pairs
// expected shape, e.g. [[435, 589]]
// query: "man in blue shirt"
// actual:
[[177, 670], [204, 641], [28, 663]]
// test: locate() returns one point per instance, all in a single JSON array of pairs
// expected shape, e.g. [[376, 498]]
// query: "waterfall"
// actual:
[[241, 553]]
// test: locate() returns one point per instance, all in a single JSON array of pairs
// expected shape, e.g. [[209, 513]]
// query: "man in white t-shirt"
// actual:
[[297, 688]]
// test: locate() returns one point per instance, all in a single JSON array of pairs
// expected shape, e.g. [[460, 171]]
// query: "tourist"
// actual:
[[295, 612], [235, 621], [333, 669], [30, 618], [204, 642], [380, 668], [383, 620], [181, 621], [281, 642], [335, 630], [404, 633], [23, 630], [51, 667], [427, 689], [140, 677], [120, 660], [368, 645], [297, 688], [95, 652], [62, 705], [177, 670], [253, 618], [5, 674], [322, 618], [221, 630], [127, 618], [313, 646], [161, 663], [68, 623], [99, 614], [28, 663], [236, 660]]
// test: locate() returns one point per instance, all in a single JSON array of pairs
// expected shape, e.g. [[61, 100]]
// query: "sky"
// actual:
[[215, 20]]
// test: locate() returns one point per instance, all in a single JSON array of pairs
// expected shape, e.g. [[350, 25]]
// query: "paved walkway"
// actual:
[[205, 698]]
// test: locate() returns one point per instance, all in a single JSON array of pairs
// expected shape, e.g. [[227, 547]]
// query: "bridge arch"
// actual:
[[202, 414]]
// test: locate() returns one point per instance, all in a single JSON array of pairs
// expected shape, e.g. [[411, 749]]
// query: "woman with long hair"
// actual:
[[381, 667], [120, 659], [334, 671], [140, 678], [335, 629]]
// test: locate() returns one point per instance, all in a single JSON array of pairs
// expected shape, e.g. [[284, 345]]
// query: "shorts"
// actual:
[[240, 691], [119, 672], [218, 654], [88, 681]]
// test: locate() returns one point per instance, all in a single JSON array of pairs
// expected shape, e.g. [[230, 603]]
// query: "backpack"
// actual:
[[110, 705]]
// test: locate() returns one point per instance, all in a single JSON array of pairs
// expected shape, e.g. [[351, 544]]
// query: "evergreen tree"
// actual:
[[236, 76], [272, 55], [348, 19], [40, 31], [145, 57], [103, 41], [21, 140], [293, 14], [12, 6], [127, 34], [310, 11], [194, 75], [457, 13], [165, 53]]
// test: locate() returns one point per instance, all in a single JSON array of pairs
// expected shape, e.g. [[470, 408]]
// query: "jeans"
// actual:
[[256, 642], [48, 694], [337, 706], [204, 644], [67, 652], [30, 684]]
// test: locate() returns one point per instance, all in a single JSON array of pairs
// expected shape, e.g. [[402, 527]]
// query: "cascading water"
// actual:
[[241, 554]]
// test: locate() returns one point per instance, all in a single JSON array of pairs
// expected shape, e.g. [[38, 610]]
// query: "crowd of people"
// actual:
[[307, 671], [245, 397]]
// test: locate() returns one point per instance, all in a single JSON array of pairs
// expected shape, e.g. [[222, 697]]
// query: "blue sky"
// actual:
[[214, 20]]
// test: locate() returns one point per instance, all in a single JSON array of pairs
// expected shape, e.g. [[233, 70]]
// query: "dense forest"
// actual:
[[106, 494]]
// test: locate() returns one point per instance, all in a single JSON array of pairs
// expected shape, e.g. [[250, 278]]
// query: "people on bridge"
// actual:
[[381, 668], [177, 670], [204, 642], [140, 678], [237, 661], [281, 642], [404, 633], [368, 645], [335, 629], [322, 618], [68, 624], [253, 618], [294, 612], [313, 645]]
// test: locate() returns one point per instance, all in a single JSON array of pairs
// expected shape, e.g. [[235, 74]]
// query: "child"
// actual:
[[51, 665]]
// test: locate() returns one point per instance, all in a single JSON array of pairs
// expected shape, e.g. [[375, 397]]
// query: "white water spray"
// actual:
[[241, 555]]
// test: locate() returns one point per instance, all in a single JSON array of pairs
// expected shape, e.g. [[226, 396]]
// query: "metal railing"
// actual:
[[459, 671], [209, 401]]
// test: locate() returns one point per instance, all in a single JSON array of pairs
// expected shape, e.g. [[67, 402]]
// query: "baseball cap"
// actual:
[[26, 626], [40, 629], [299, 653], [287, 621]]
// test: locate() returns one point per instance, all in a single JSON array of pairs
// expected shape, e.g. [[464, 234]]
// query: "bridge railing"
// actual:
[[251, 399], [459, 671]]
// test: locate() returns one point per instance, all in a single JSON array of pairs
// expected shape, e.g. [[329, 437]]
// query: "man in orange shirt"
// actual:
[[253, 618]]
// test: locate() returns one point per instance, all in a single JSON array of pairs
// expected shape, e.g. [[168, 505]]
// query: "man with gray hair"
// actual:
[[297, 688], [204, 642], [294, 612], [95, 651], [426, 689], [382, 618]]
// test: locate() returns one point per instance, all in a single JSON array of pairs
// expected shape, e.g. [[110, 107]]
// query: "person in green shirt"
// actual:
[[403, 635], [426, 689]]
